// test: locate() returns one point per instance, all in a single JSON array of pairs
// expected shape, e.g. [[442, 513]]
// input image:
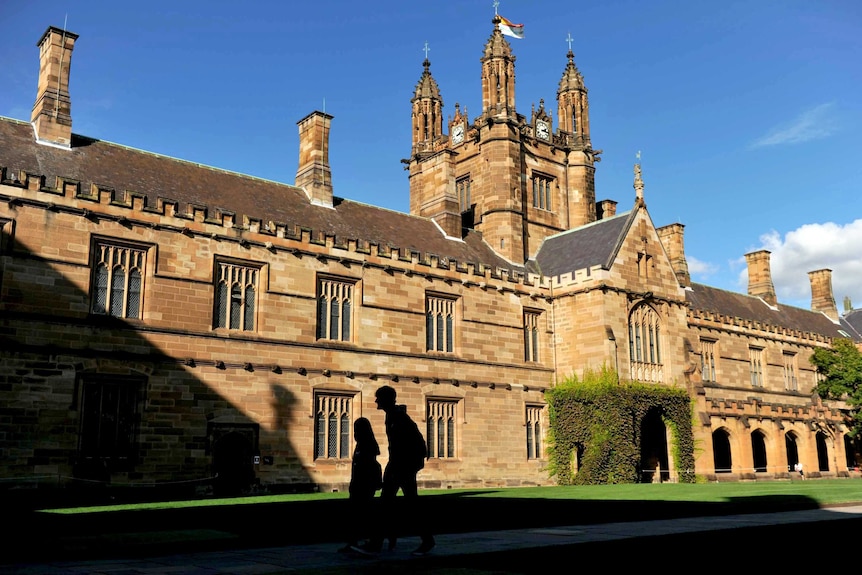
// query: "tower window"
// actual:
[[462, 186], [542, 191]]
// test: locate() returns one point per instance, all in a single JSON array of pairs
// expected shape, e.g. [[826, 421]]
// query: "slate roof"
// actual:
[[706, 298], [127, 169], [590, 245], [853, 320]]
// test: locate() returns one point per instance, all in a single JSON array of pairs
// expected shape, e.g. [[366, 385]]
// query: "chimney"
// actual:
[[671, 238], [606, 209], [52, 112], [760, 277], [822, 299], [314, 174]]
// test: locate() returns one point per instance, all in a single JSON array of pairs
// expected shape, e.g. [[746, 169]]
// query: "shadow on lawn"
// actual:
[[151, 532]]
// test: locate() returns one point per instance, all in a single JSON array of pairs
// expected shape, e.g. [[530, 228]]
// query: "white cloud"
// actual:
[[812, 124], [813, 247], [700, 268]]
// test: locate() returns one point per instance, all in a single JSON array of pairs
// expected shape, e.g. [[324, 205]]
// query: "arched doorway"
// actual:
[[822, 452], [852, 453], [792, 450], [722, 459], [577, 458], [233, 450], [654, 459], [758, 451]]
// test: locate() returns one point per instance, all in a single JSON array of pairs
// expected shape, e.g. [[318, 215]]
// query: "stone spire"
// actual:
[[573, 107], [498, 75], [639, 183], [427, 110]]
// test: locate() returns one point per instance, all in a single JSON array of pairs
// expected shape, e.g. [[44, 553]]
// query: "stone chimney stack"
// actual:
[[672, 239], [314, 174], [822, 299], [52, 112], [760, 276], [606, 209]]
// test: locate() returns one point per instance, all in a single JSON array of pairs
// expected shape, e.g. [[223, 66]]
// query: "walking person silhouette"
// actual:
[[406, 457], [366, 477]]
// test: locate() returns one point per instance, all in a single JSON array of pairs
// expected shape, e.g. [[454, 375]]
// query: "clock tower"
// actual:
[[514, 179]]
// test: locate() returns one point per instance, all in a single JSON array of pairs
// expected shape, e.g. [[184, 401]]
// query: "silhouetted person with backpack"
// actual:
[[406, 457]]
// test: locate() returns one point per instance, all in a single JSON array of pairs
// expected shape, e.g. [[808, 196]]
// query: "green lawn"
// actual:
[[821, 492]]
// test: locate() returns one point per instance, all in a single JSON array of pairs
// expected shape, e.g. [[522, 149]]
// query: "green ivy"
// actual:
[[598, 419]]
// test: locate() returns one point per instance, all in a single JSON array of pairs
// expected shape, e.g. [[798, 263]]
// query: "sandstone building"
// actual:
[[165, 322]]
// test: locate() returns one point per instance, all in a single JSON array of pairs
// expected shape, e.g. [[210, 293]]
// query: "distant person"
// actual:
[[366, 477], [406, 457], [798, 469]]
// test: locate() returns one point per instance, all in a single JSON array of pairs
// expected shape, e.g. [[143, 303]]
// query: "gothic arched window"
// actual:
[[645, 344]]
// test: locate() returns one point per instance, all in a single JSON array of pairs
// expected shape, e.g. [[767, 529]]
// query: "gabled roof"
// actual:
[[853, 321], [123, 169], [731, 304], [594, 244]]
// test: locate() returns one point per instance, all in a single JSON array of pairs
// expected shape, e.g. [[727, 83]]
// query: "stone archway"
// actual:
[[822, 452], [792, 449], [721, 453], [655, 466], [758, 451], [852, 453]]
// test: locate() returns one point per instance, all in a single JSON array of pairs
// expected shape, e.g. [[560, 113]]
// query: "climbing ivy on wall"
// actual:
[[598, 419]]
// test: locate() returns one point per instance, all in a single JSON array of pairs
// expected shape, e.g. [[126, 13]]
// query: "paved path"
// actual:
[[324, 557]]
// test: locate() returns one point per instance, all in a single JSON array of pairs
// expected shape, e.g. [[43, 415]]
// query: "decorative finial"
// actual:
[[496, 3], [427, 49], [569, 40], [639, 183]]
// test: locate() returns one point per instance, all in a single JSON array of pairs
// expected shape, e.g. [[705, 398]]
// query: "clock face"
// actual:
[[458, 133], [542, 130]]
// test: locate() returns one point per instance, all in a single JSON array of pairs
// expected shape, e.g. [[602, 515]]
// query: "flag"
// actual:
[[509, 29]]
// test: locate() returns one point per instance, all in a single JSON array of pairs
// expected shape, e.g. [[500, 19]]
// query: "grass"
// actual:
[[116, 529], [822, 492]]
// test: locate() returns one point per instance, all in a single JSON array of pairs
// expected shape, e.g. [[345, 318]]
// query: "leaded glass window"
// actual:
[[118, 280], [236, 289]]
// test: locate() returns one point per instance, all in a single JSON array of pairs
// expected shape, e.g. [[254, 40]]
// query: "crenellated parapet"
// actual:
[[97, 203], [740, 325]]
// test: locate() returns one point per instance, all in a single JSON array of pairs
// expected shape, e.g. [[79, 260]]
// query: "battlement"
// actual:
[[96, 202], [739, 324], [581, 277]]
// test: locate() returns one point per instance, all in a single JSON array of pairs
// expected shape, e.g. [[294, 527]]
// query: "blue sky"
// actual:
[[747, 114]]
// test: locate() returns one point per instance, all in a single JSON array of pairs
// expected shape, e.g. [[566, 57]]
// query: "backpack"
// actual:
[[413, 445]]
